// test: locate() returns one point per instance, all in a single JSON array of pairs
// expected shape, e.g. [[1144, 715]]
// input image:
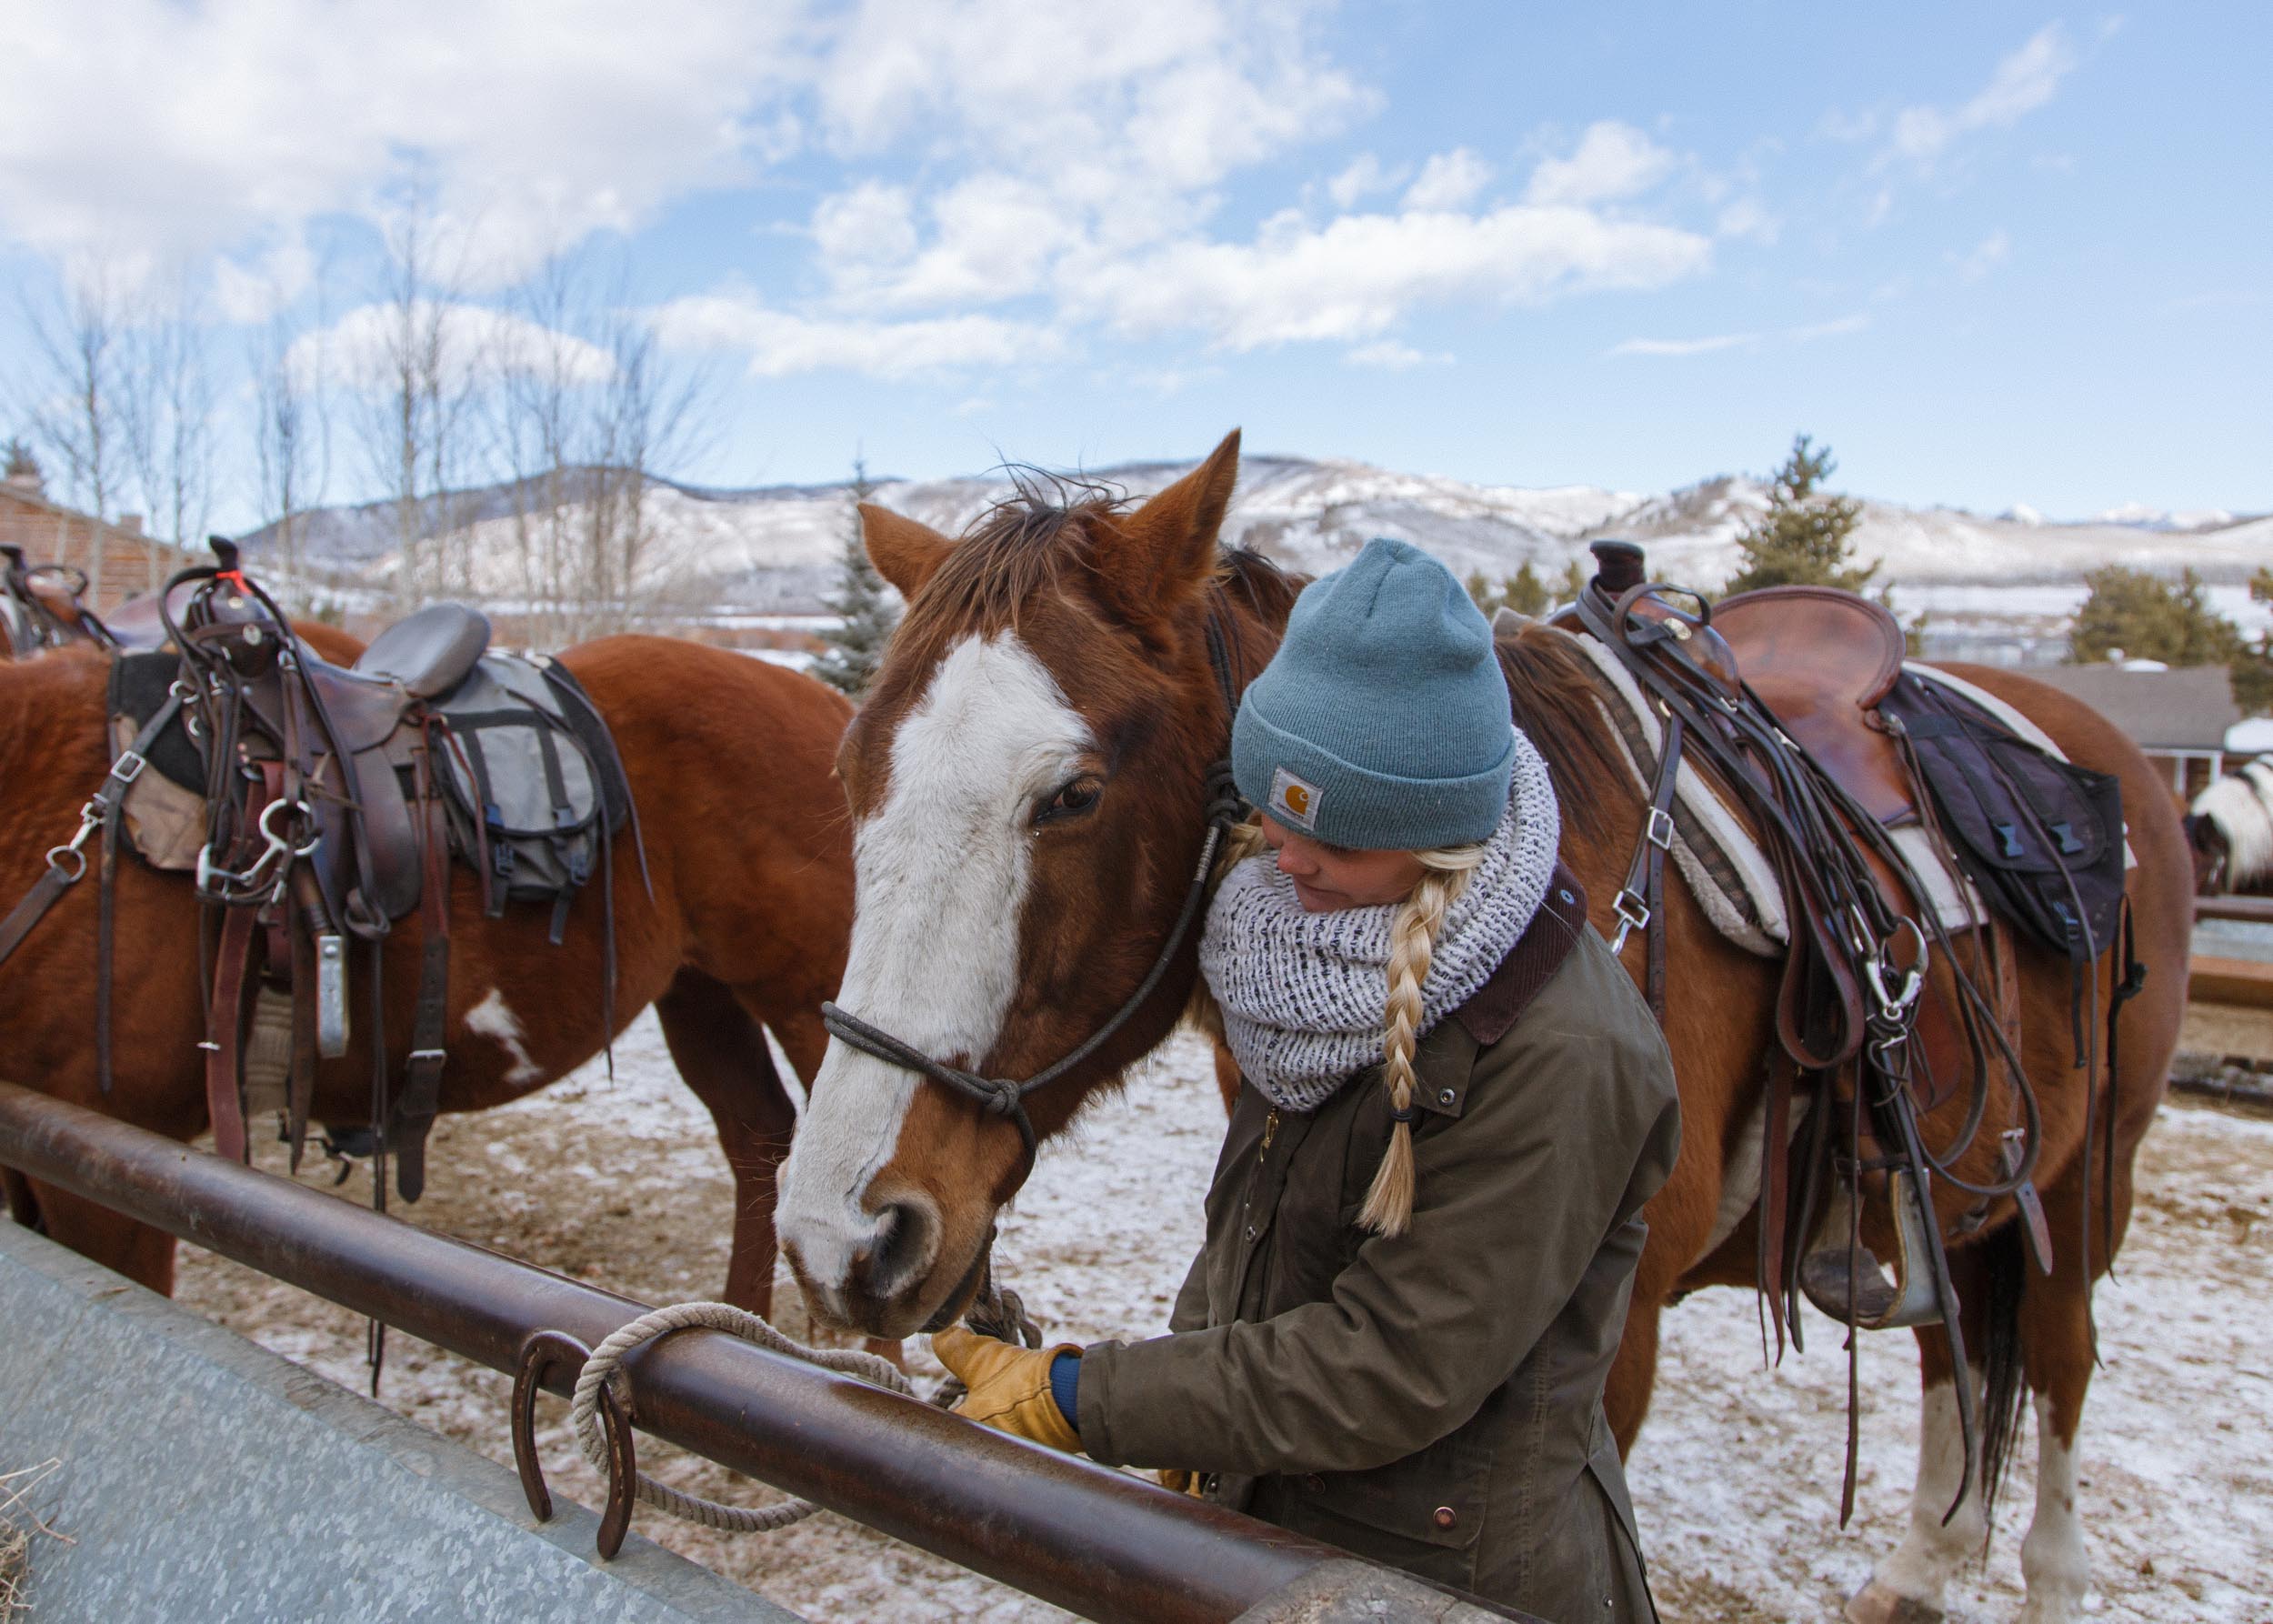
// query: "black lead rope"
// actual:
[[1001, 1096]]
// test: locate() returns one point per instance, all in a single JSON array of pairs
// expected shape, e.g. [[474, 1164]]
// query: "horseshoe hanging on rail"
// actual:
[[538, 1355]]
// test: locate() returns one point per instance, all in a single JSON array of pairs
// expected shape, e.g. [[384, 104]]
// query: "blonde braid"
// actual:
[[1388, 1209]]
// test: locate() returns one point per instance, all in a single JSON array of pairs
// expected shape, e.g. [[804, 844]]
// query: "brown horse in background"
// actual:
[[729, 762], [1028, 781]]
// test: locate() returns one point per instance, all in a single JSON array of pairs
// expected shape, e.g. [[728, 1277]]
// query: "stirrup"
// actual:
[[1879, 1304]]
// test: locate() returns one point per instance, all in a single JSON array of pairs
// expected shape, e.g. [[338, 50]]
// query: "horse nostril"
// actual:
[[906, 1239]]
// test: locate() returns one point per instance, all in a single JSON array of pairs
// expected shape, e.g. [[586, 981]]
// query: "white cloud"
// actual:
[[780, 342], [993, 238], [2023, 82], [1449, 180], [1355, 276], [1613, 161], [180, 129], [1685, 346], [1837, 328], [1388, 355], [869, 227], [1107, 114], [1986, 256], [356, 351], [1748, 217], [251, 291], [1365, 176]]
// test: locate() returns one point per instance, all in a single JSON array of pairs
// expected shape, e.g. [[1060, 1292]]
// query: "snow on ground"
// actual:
[[1736, 1477]]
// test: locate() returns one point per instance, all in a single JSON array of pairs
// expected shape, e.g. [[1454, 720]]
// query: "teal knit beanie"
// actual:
[[1382, 721]]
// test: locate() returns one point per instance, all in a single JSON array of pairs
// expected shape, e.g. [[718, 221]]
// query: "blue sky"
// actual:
[[1992, 253]]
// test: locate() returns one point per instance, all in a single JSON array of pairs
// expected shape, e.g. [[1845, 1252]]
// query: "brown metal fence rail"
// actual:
[[1091, 1540]]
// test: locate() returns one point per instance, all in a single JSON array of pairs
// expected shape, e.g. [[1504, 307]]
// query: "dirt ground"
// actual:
[[1736, 1477]]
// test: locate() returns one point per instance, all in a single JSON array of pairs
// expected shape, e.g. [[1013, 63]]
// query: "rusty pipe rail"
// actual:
[[2249, 910], [1088, 1540]]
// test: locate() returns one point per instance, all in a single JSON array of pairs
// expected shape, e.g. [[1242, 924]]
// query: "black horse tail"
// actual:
[[2003, 1386]]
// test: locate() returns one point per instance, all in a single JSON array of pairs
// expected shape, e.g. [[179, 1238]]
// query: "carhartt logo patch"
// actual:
[[1294, 801]]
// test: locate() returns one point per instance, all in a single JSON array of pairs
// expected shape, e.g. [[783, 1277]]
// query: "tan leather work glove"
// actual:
[[1176, 1481], [1009, 1385]]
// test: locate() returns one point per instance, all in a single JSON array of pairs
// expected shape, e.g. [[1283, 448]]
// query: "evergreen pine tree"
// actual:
[[1805, 538], [1523, 591], [2131, 614], [2253, 667], [867, 608], [20, 464]]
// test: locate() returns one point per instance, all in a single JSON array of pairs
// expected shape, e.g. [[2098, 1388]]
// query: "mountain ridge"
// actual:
[[775, 548]]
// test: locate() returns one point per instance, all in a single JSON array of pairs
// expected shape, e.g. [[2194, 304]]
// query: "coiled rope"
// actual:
[[603, 1365]]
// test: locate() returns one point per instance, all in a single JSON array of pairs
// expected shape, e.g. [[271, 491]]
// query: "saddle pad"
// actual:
[[165, 810], [1726, 871]]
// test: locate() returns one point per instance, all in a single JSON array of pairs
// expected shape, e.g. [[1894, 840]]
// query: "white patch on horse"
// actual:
[[941, 872], [2242, 808], [492, 1018], [2052, 1558], [1920, 1570]]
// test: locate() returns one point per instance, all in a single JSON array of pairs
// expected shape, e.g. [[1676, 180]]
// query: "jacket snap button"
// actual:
[[1445, 1098], [1567, 897], [1446, 1517], [1250, 1231]]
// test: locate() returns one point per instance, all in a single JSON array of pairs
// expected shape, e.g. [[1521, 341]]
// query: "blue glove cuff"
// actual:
[[1066, 1387]]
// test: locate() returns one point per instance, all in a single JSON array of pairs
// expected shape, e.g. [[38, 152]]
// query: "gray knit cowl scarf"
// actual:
[[1305, 996]]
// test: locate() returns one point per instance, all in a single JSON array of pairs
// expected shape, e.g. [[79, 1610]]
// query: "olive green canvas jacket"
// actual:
[[1432, 1401]]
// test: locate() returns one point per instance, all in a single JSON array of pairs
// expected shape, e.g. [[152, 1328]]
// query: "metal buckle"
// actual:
[[1874, 969], [1633, 914], [1658, 830], [128, 768]]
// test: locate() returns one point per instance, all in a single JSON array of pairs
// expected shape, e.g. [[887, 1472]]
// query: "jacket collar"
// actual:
[[1446, 1059]]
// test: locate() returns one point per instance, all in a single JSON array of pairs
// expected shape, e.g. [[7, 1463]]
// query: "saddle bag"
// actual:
[[534, 786], [2042, 839]]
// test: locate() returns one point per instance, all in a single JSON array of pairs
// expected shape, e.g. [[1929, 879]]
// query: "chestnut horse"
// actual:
[[1027, 783], [746, 844]]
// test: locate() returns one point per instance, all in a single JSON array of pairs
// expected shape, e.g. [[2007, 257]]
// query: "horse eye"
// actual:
[[1073, 798]]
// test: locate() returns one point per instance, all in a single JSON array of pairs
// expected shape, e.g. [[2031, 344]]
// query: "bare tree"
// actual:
[[591, 409], [291, 433], [165, 411], [73, 407], [417, 385]]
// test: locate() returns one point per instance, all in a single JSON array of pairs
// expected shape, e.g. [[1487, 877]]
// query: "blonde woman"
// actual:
[[1424, 1226]]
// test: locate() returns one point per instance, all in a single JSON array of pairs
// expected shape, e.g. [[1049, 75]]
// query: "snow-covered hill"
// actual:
[[775, 550]]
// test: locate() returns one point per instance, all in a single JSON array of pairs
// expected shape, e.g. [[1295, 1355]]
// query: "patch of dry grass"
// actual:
[[19, 1524]]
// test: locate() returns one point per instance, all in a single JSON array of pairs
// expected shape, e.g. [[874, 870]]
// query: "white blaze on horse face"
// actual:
[[940, 875]]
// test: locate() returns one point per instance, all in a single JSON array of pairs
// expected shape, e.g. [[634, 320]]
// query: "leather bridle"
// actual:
[[1001, 1096]]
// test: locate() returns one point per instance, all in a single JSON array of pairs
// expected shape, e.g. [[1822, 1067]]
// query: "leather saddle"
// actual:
[[1821, 660], [376, 711], [44, 607], [326, 822]]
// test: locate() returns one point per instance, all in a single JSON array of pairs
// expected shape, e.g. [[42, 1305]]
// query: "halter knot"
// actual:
[[1225, 804]]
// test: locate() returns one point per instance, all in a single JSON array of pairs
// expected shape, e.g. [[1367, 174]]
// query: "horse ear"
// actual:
[[904, 551], [1167, 549]]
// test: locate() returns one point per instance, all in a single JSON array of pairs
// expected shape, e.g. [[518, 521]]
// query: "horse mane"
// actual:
[[1022, 545], [1269, 590], [1018, 549], [1555, 696]]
